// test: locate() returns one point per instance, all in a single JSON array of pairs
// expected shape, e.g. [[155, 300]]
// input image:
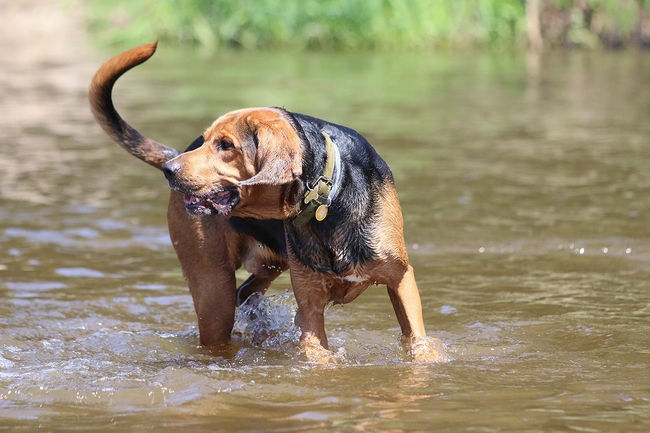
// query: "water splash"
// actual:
[[267, 322]]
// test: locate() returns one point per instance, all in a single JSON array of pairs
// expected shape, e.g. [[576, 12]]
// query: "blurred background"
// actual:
[[375, 24], [518, 133]]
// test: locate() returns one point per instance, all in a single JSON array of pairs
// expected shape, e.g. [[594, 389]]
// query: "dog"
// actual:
[[271, 190]]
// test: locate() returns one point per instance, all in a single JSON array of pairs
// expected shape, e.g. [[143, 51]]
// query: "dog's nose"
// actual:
[[170, 169]]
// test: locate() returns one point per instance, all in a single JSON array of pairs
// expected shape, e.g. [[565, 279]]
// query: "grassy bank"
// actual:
[[372, 24]]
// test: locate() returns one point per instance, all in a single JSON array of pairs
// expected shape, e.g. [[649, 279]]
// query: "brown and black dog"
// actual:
[[272, 190]]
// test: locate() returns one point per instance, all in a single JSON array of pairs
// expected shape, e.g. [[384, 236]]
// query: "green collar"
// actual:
[[320, 194]]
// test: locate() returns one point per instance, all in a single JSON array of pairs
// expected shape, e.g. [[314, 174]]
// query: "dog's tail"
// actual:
[[99, 94]]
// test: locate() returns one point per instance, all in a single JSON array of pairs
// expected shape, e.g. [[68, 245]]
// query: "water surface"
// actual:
[[524, 184]]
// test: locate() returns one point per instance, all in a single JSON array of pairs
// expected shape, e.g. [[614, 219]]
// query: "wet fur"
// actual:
[[265, 158]]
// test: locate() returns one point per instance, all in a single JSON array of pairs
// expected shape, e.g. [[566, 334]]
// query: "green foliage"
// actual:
[[346, 24], [358, 24], [564, 4]]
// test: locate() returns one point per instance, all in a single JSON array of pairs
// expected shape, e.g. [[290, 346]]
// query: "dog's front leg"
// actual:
[[203, 247], [406, 302], [213, 297]]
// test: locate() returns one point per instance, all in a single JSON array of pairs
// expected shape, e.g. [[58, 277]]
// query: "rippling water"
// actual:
[[524, 182]]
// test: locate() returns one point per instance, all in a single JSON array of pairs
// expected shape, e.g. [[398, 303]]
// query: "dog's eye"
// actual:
[[225, 144]]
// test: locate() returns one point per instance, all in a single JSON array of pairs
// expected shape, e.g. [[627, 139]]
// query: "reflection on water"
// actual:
[[523, 182]]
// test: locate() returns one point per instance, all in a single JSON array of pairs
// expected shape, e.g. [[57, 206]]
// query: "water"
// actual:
[[524, 184]]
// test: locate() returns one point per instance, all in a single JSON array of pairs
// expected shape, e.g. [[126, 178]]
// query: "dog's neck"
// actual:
[[321, 192]]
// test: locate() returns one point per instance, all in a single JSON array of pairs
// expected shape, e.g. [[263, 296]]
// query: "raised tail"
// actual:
[[101, 103]]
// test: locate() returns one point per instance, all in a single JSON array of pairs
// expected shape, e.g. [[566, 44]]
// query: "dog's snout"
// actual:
[[170, 169]]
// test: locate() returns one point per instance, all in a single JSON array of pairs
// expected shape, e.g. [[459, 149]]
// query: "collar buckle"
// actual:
[[320, 194], [319, 191]]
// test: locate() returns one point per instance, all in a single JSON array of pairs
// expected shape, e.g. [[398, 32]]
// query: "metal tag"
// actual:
[[321, 212]]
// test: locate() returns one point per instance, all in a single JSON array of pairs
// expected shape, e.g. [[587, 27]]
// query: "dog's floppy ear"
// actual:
[[278, 158]]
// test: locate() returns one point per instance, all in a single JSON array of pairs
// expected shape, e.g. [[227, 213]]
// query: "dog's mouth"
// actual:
[[220, 202]]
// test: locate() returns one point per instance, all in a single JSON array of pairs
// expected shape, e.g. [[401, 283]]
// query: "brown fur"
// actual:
[[253, 165]]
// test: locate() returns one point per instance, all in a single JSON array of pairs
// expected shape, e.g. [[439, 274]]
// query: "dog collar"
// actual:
[[319, 195]]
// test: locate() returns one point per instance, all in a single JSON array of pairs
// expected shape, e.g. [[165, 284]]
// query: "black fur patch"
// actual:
[[267, 232]]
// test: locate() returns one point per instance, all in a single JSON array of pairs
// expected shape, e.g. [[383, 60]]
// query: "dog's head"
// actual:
[[247, 162]]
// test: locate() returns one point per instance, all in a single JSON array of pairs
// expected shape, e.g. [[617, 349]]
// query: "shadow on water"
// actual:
[[523, 182]]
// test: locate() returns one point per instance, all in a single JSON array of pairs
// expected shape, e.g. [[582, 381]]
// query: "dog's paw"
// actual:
[[425, 349], [312, 351], [319, 356]]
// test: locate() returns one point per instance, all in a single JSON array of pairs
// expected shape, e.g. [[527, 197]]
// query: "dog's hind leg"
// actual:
[[312, 296], [406, 302]]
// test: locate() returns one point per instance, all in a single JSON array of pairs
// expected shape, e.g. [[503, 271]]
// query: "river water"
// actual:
[[524, 183]]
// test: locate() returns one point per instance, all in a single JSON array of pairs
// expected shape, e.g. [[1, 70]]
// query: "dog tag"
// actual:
[[321, 212], [311, 196]]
